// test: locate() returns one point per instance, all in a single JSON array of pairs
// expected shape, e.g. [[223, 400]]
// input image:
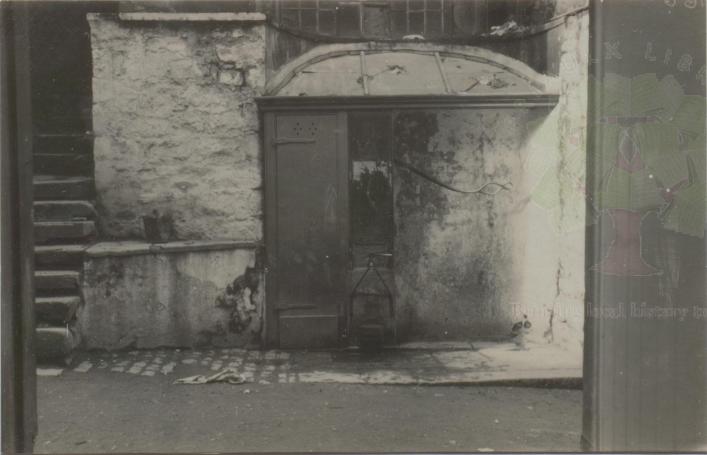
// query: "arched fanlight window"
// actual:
[[376, 69]]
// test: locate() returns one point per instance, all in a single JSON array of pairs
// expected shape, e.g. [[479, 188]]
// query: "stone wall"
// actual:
[[180, 294], [177, 131], [176, 127]]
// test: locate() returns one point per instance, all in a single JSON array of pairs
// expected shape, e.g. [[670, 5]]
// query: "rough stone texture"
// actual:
[[456, 272], [176, 126], [171, 299]]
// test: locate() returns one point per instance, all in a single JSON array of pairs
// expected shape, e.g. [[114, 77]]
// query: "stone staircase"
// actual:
[[64, 226]]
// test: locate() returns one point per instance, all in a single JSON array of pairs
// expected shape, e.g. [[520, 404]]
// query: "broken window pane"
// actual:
[[499, 12], [349, 20], [375, 21]]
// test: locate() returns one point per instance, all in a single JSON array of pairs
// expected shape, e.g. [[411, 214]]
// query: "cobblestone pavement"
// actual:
[[488, 363]]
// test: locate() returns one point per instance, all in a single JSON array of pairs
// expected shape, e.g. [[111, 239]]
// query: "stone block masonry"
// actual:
[[176, 127]]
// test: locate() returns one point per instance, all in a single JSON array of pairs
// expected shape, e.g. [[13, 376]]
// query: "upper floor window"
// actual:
[[367, 19]]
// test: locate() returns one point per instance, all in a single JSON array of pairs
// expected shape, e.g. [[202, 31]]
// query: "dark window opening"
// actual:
[[371, 191]]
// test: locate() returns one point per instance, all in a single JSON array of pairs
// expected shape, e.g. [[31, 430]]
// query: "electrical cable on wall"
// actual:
[[481, 190]]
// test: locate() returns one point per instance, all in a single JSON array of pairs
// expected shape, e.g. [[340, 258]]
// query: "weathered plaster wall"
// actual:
[[468, 266], [456, 265], [176, 127], [182, 299], [553, 285]]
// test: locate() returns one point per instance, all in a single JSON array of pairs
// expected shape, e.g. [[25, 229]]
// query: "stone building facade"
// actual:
[[181, 103]]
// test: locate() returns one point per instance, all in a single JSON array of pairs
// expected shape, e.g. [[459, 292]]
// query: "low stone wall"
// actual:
[[179, 294]]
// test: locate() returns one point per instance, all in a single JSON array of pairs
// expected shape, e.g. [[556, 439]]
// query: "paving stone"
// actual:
[[397, 367]]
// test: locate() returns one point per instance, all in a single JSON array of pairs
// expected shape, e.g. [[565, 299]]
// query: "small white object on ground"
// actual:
[[167, 369], [84, 367], [227, 375]]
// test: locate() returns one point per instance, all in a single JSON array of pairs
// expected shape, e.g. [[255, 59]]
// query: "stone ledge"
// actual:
[[192, 17], [134, 248]]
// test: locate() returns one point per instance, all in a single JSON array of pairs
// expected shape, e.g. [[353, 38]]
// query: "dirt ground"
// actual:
[[104, 412]]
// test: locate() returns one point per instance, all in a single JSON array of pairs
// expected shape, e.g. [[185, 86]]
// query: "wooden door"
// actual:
[[306, 228]]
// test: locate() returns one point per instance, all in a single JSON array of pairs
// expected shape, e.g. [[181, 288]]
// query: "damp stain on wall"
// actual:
[[454, 252]]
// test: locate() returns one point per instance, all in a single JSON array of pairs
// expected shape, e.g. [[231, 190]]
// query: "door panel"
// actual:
[[306, 228]]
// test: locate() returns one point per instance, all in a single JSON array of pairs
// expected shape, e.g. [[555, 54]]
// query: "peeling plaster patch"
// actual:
[[230, 76], [237, 298]]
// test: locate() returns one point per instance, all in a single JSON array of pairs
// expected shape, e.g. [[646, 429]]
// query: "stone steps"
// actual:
[[59, 257], [64, 226], [63, 164], [63, 232], [56, 280], [54, 344], [56, 311], [74, 143], [52, 210], [62, 188]]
